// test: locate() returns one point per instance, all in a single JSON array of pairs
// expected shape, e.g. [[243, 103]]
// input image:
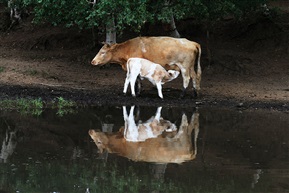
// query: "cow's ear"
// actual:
[[107, 45]]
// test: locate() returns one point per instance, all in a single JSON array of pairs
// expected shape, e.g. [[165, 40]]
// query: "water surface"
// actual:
[[173, 150]]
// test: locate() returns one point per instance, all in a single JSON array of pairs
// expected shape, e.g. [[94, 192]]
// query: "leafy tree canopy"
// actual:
[[132, 13]]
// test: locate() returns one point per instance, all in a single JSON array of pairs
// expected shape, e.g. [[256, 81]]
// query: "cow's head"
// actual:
[[172, 75], [99, 138], [103, 56]]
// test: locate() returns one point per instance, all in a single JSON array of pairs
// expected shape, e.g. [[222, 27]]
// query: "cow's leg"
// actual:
[[195, 87], [196, 73], [159, 87], [186, 80]]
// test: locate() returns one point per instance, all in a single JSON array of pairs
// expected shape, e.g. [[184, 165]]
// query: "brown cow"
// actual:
[[171, 53], [162, 149]]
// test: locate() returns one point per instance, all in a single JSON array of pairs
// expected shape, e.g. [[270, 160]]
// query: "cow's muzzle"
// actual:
[[93, 62]]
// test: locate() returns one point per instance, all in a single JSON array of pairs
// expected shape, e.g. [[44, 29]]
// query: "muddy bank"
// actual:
[[114, 97], [249, 68]]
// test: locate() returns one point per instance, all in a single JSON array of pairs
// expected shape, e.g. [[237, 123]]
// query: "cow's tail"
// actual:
[[199, 70]]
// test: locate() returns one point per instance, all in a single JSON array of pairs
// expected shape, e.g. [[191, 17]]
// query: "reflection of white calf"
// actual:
[[155, 73], [152, 128], [8, 145]]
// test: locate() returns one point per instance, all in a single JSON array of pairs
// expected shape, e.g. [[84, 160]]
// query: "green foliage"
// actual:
[[134, 13], [54, 176], [63, 106], [36, 106], [24, 106]]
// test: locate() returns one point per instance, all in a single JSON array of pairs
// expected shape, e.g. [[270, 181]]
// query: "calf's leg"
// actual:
[[159, 87], [126, 83], [132, 83], [138, 86]]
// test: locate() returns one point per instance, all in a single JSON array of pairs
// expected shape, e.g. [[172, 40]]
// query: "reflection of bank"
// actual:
[[8, 145], [155, 140]]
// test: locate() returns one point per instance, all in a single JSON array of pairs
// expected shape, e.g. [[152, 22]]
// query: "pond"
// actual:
[[144, 149]]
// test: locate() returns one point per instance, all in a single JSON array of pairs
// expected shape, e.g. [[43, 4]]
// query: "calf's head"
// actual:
[[103, 56], [172, 74]]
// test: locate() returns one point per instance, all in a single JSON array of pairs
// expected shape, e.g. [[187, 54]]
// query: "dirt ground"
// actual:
[[250, 68]]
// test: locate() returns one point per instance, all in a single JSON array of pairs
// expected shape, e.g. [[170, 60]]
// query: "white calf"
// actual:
[[155, 73]]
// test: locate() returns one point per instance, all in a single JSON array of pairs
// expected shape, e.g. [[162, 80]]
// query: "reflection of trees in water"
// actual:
[[120, 175], [9, 142], [79, 176], [158, 171]]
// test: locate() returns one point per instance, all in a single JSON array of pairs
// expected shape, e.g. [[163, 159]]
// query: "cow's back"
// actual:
[[163, 50]]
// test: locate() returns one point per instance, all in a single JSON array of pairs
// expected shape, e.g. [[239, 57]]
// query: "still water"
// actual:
[[144, 149]]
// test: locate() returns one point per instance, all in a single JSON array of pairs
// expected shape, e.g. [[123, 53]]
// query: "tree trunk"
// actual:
[[173, 29], [171, 25], [15, 14], [209, 54], [110, 31]]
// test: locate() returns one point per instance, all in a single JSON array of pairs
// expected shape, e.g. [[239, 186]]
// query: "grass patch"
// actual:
[[36, 106], [63, 106], [31, 72], [2, 69]]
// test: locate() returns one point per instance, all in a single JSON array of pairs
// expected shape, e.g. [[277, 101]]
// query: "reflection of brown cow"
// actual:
[[163, 149], [171, 53]]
